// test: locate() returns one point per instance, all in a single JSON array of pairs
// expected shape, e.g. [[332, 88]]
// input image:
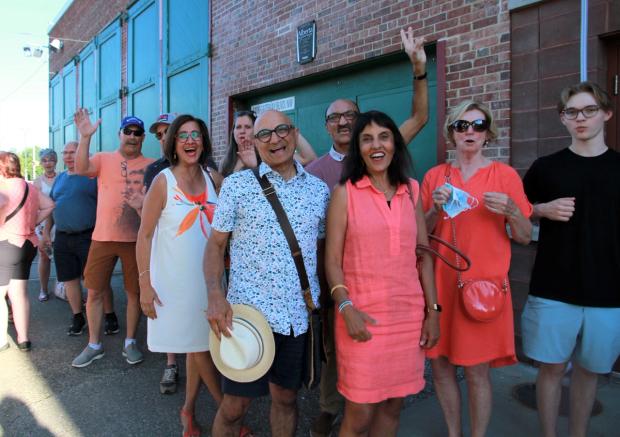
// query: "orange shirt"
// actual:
[[117, 180]]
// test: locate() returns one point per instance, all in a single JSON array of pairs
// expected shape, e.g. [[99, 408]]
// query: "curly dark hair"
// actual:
[[354, 166], [171, 139]]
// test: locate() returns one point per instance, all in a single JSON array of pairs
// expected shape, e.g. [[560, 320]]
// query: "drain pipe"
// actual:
[[583, 42]]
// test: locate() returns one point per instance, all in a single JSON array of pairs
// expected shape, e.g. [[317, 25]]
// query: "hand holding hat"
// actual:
[[219, 315]]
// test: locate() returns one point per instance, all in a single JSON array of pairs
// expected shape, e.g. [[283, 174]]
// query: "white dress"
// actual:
[[177, 273]]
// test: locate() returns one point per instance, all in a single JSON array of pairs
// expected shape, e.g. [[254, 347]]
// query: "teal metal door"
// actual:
[[386, 87], [109, 85]]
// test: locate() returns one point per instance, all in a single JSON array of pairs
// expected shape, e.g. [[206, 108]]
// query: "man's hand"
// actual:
[[414, 47], [219, 315], [247, 154], [561, 209], [356, 322], [83, 123]]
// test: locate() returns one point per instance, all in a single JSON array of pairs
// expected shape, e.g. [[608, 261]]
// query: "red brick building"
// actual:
[[209, 58]]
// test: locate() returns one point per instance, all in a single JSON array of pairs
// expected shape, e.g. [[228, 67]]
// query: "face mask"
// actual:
[[458, 202]]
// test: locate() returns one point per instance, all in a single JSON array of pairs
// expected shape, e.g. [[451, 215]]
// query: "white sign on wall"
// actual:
[[285, 104]]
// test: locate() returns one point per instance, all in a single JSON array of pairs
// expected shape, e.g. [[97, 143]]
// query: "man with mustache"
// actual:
[[115, 233], [339, 120]]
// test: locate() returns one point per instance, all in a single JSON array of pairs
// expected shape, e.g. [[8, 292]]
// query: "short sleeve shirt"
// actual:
[[262, 271], [75, 197], [117, 180]]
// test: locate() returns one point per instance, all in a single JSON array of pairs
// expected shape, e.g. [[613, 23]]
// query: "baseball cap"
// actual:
[[131, 120], [166, 118]]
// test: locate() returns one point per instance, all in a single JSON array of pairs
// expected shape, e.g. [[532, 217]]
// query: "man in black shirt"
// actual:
[[573, 310]]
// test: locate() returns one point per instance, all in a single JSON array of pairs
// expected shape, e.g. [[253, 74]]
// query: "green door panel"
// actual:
[[387, 87], [145, 105], [187, 90], [109, 128]]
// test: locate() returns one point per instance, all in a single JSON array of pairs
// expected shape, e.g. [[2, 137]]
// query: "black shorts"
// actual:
[[71, 253], [15, 262], [286, 370]]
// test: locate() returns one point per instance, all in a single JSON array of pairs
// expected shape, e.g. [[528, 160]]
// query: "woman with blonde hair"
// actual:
[[471, 202]]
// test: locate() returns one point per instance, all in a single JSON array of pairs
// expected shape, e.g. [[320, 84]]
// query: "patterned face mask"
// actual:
[[458, 202]]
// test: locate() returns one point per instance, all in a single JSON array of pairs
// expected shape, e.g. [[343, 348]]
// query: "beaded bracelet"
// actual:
[[143, 273], [344, 304], [331, 292]]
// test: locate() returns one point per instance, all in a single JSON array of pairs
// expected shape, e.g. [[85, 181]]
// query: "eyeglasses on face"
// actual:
[[160, 135], [282, 130], [479, 125], [134, 132], [588, 112], [335, 117], [185, 136]]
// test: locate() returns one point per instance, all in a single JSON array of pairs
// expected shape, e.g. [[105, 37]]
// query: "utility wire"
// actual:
[[24, 83]]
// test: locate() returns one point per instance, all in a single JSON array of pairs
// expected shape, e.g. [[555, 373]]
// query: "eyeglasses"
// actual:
[[160, 135], [282, 130], [461, 126], [185, 136], [335, 117], [134, 132], [573, 113], [124, 169]]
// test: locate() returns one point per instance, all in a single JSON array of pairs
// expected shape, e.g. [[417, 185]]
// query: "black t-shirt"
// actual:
[[578, 261]]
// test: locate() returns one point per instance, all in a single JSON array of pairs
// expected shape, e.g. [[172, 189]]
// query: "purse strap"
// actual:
[[20, 206], [459, 279], [272, 197], [435, 252]]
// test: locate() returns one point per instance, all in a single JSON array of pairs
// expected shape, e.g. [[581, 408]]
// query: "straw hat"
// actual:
[[248, 354]]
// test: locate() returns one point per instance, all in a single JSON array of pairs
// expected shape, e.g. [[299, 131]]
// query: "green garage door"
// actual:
[[386, 87]]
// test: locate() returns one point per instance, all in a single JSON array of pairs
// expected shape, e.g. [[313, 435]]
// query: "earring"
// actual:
[[174, 155]]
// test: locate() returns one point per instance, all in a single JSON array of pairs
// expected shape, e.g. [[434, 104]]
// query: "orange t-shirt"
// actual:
[[117, 180]]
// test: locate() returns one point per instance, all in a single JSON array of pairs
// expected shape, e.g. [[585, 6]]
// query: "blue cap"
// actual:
[[131, 120]]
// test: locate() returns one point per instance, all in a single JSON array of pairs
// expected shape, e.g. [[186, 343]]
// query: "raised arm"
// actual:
[[305, 150], [83, 165], [414, 47]]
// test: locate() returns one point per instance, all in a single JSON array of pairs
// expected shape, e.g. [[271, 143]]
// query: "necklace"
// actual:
[[379, 187]]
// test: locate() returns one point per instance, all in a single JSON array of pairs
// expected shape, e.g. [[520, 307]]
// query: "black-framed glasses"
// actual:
[[282, 130], [185, 136], [124, 169], [160, 135], [135, 132], [479, 125], [335, 117], [588, 112]]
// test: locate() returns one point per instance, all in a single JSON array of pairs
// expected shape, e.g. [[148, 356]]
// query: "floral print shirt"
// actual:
[[262, 271]]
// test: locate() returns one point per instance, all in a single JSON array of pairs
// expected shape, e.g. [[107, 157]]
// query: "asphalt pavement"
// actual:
[[42, 395]]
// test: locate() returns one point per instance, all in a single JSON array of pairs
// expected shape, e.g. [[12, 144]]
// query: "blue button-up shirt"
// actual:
[[262, 271]]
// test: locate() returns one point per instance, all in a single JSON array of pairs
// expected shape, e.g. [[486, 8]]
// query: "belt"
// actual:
[[85, 231]]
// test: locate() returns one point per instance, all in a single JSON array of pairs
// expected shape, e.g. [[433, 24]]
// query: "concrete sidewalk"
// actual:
[[42, 395]]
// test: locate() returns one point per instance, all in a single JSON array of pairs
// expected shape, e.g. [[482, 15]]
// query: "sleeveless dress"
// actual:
[[176, 270], [379, 265]]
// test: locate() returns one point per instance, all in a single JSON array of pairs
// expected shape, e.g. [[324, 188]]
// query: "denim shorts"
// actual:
[[556, 332]]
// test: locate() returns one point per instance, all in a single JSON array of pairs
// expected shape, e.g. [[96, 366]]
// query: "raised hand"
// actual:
[[83, 123], [414, 47], [247, 154], [440, 196]]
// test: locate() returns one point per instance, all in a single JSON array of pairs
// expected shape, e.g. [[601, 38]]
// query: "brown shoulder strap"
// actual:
[[270, 193]]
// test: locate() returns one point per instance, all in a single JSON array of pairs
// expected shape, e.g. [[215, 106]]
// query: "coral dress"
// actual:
[[481, 235], [176, 270], [379, 265]]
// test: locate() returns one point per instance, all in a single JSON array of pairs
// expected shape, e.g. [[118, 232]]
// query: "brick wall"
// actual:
[[82, 21], [254, 47]]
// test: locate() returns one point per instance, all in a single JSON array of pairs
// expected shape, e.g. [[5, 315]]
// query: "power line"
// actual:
[[25, 82]]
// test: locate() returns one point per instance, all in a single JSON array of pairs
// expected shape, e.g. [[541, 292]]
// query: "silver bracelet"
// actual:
[[345, 303]]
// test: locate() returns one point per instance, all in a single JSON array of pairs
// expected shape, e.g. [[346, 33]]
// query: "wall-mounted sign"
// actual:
[[306, 42], [285, 104]]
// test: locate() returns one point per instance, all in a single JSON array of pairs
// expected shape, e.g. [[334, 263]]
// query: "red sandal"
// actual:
[[245, 432], [192, 430]]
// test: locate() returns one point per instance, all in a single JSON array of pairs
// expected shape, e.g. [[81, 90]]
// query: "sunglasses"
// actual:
[[185, 136], [160, 135], [134, 132], [461, 126], [573, 113], [282, 130], [335, 117]]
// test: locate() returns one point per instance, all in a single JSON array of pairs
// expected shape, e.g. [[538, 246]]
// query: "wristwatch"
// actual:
[[434, 307]]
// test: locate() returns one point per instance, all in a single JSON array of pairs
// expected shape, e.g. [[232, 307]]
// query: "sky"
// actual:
[[24, 81]]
